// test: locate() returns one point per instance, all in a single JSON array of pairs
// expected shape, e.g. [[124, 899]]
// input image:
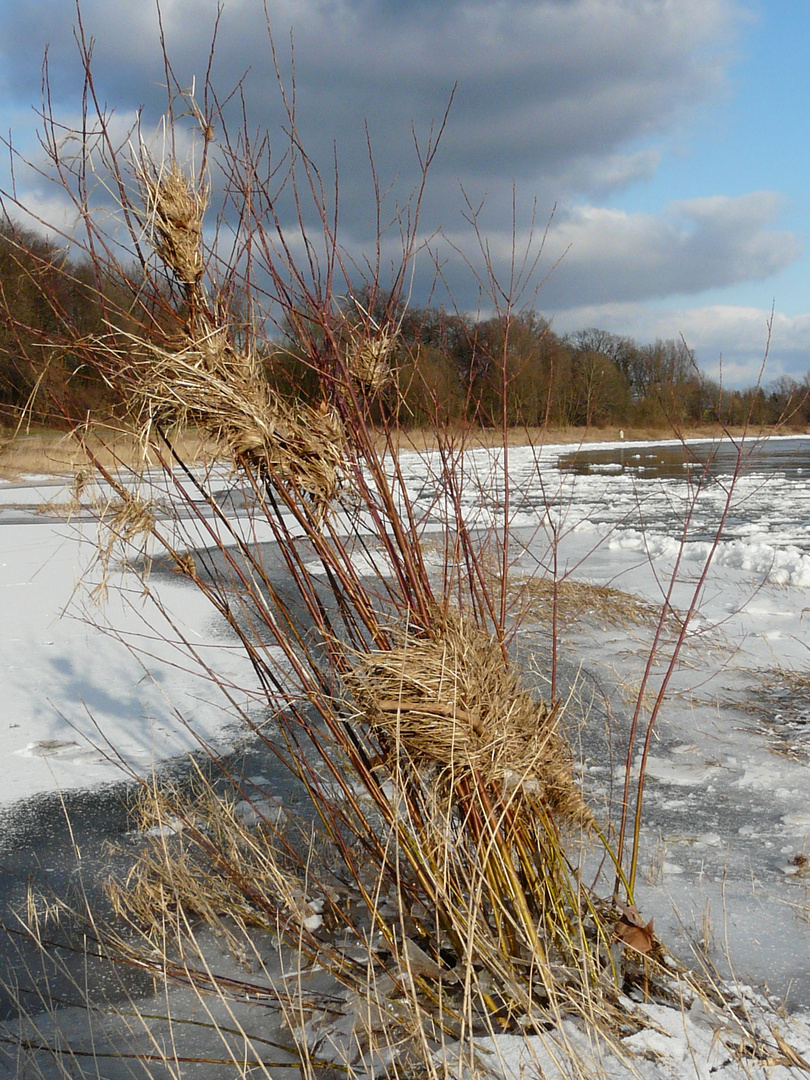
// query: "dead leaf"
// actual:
[[630, 913], [635, 935]]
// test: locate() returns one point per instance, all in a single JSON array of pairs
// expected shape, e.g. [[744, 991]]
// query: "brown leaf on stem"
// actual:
[[634, 934]]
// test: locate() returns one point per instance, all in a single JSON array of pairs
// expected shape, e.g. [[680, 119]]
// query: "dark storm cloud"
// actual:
[[566, 98], [546, 90]]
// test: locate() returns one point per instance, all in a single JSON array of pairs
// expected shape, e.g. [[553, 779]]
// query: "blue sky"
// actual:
[[671, 137], [755, 135]]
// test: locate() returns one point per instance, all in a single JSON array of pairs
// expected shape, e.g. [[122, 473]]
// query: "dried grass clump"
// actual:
[[205, 380], [223, 392], [785, 683], [121, 522], [198, 857], [129, 518], [174, 209], [452, 703], [575, 600], [368, 356], [367, 347]]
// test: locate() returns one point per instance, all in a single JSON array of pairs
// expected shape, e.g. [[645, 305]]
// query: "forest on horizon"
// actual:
[[446, 366]]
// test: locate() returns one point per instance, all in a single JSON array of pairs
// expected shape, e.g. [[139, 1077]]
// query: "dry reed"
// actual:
[[201, 857], [452, 703], [481, 783], [571, 601], [203, 379], [208, 384], [55, 453], [173, 213], [368, 356]]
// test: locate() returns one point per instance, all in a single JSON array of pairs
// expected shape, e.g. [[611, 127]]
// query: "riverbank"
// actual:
[[43, 451], [727, 817], [424, 439]]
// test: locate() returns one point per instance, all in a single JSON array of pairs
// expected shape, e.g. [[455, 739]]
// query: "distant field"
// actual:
[[60, 454], [44, 451], [421, 439]]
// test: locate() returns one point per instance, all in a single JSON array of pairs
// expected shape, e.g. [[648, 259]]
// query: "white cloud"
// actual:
[[728, 340], [594, 255], [689, 248], [619, 170]]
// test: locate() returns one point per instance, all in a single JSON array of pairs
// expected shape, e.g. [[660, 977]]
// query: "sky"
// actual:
[[659, 146]]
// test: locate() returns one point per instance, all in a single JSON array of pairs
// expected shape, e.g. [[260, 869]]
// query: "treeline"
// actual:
[[47, 302], [456, 368], [445, 366]]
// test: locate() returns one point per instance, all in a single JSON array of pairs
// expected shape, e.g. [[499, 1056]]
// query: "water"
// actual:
[[789, 457], [65, 846], [654, 497], [766, 483]]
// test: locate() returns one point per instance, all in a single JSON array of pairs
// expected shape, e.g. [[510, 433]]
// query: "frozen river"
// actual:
[[87, 693], [727, 805]]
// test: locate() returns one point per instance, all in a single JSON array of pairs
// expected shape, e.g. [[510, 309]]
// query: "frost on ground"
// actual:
[[674, 1042], [282, 1010], [724, 869]]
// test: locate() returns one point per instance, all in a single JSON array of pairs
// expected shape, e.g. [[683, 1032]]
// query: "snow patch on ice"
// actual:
[[677, 774]]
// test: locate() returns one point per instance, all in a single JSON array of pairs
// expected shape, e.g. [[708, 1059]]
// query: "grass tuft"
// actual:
[[174, 209], [451, 702], [583, 601]]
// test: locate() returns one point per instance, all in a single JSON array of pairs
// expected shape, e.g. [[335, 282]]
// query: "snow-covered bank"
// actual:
[[91, 689], [727, 804]]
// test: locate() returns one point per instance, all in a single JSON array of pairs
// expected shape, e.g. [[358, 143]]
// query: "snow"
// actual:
[[77, 704], [688, 1041], [88, 690]]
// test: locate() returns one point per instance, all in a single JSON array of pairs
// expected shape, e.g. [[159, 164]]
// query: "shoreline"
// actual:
[[425, 439], [58, 454]]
